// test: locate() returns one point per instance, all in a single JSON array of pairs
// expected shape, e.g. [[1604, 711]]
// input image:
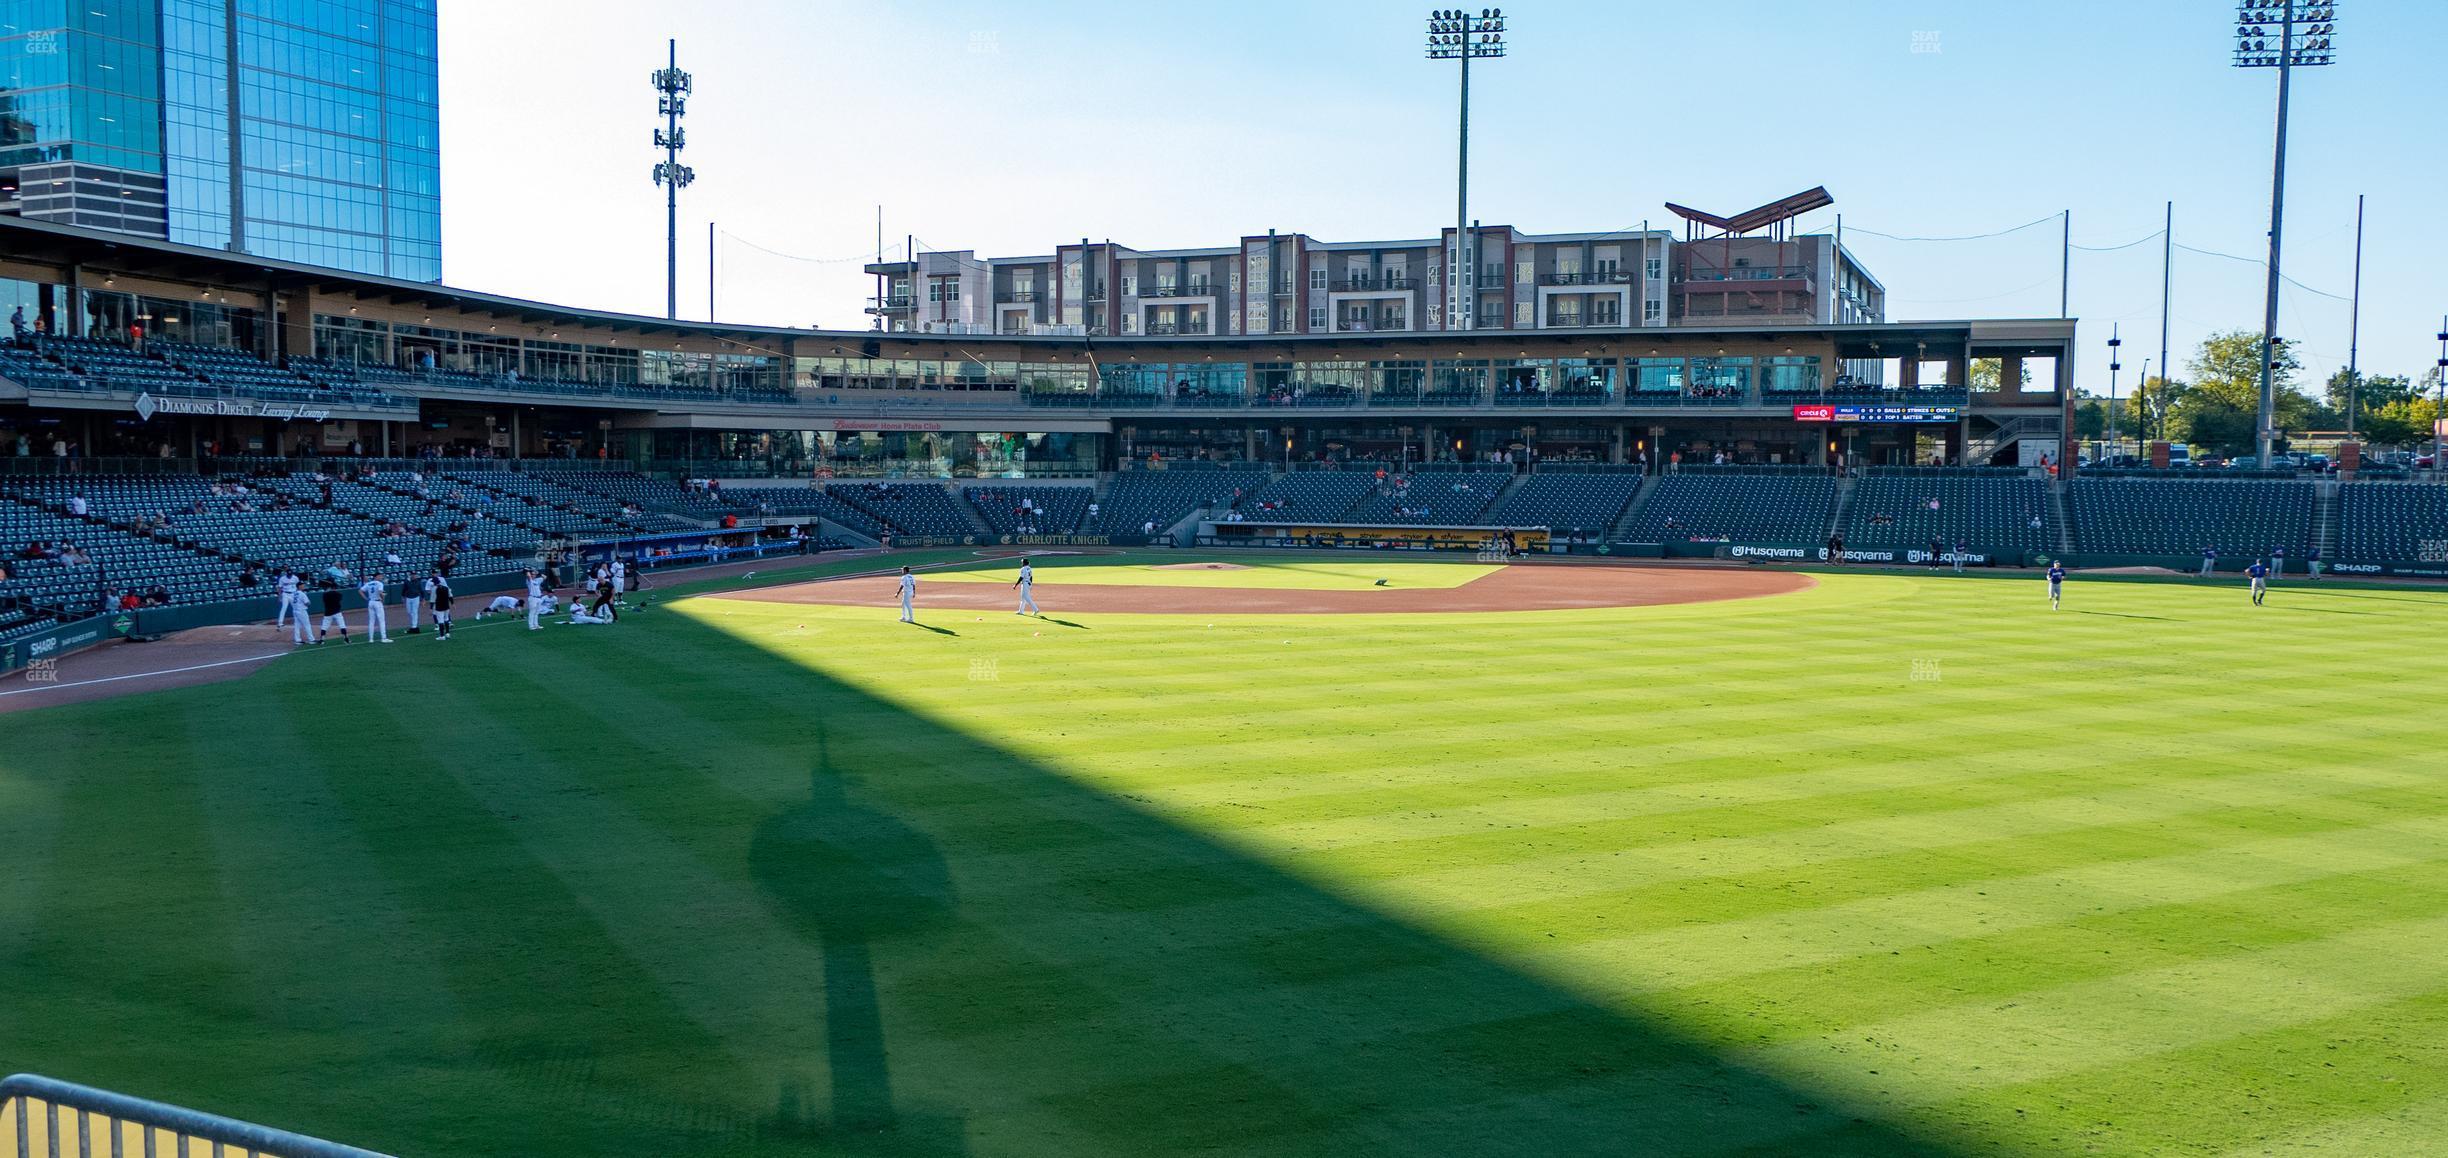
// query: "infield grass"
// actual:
[[1897, 865]]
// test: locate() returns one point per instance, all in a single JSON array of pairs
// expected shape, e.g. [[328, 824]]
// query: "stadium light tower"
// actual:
[[671, 174], [2114, 341], [1454, 34], [2284, 35]]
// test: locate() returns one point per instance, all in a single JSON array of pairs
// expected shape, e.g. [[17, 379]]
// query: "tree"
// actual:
[[2146, 409], [2090, 417], [2366, 393], [1988, 374], [2404, 422], [2223, 404]]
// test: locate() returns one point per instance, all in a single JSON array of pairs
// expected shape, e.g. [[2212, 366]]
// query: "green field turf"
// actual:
[[1180, 570], [1899, 865]]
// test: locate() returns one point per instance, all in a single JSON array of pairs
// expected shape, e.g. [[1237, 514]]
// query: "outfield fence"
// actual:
[[45, 1118]]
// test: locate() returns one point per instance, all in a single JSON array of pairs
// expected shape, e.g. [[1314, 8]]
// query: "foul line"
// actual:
[[141, 675]]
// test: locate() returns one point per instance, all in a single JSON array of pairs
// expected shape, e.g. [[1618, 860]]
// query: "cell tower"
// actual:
[[673, 84]]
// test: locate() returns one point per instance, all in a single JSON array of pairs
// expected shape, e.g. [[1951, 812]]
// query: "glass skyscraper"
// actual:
[[304, 130]]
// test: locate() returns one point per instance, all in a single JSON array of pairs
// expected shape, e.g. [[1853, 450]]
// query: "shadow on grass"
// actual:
[[1109, 981], [1062, 622], [2119, 615], [937, 630]]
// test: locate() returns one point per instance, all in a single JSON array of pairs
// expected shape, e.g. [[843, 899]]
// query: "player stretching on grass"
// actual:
[[909, 594], [2260, 580], [2056, 574], [1028, 578]]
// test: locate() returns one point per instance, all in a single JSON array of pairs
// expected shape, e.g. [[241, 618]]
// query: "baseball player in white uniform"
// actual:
[[1028, 579], [378, 628], [909, 594], [292, 607], [535, 599], [620, 577]]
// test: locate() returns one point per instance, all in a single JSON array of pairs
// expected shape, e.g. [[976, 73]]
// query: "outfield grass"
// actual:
[[1897, 865], [1253, 571]]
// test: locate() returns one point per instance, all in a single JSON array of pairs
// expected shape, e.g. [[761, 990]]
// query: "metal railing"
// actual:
[[1368, 284], [1600, 278], [45, 1118]]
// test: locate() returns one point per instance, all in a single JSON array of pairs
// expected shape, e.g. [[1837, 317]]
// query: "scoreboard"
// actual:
[[1877, 413]]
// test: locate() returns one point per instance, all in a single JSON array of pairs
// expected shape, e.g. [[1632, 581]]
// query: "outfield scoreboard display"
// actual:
[[1868, 414]]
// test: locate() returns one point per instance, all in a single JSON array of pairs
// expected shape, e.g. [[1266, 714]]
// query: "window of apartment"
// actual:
[[1283, 319], [1523, 314], [1652, 310], [1655, 268], [935, 291], [1317, 315], [1130, 285], [951, 291], [1605, 268], [1317, 279]]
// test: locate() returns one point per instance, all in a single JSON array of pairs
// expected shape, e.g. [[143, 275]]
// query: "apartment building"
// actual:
[[1292, 283]]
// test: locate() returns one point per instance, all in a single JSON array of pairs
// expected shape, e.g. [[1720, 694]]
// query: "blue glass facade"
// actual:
[[304, 130], [80, 81]]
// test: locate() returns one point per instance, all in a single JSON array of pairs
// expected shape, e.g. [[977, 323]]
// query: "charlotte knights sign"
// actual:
[[147, 406]]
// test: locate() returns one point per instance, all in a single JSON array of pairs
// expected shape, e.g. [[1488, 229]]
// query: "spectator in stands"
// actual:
[[2035, 522], [17, 324], [157, 596], [130, 601], [77, 505], [74, 556], [248, 578]]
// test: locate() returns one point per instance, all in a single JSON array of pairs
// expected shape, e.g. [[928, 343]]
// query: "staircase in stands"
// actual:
[[2057, 511], [1632, 510], [1844, 506], [2325, 518]]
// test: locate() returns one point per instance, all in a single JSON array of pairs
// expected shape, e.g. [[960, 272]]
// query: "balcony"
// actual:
[[1196, 289], [1168, 329], [1604, 277], [1358, 325], [1372, 284], [1026, 295], [1746, 279], [877, 305]]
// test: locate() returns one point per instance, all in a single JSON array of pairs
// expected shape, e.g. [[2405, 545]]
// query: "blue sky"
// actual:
[[1008, 128]]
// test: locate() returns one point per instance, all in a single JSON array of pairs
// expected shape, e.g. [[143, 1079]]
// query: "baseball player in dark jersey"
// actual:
[[442, 607]]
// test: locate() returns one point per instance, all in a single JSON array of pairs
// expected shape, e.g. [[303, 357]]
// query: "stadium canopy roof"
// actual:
[[1783, 209]]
